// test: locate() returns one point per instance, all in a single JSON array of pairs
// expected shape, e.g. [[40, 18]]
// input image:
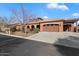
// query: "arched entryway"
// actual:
[[28, 27], [32, 27], [67, 27], [38, 26]]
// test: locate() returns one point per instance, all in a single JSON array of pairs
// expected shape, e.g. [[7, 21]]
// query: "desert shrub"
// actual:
[[0, 29], [18, 30], [13, 29], [36, 30], [27, 31], [23, 29]]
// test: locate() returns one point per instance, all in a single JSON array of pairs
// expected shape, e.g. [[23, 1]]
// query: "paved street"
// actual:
[[12, 46]]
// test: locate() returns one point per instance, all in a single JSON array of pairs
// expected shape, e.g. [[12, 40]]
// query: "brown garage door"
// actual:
[[51, 28]]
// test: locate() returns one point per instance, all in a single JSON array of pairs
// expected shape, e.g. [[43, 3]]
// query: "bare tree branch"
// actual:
[[22, 14]]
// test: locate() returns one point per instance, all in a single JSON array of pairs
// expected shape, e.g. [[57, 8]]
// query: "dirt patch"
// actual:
[[19, 33]]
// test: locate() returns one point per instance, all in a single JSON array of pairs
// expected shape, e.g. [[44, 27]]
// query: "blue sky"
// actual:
[[44, 10]]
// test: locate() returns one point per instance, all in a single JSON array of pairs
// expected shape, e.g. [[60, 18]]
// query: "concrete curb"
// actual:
[[13, 35], [23, 37]]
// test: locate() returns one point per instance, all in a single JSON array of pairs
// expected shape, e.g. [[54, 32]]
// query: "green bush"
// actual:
[[36, 30]]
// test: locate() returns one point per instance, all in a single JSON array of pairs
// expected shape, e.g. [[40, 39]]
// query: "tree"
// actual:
[[3, 23], [21, 15]]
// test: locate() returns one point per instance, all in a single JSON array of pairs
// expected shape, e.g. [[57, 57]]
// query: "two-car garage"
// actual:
[[51, 27]]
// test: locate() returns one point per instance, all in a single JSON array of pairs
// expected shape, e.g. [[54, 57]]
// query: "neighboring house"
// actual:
[[59, 25]]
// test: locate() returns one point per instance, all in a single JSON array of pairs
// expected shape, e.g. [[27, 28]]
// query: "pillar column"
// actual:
[[72, 27], [35, 26], [61, 27], [41, 27], [30, 27], [76, 27]]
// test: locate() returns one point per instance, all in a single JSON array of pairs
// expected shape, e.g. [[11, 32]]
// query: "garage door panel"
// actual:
[[54, 28]]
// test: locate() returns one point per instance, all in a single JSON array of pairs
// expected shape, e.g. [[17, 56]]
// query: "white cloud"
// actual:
[[57, 6], [45, 17], [75, 14]]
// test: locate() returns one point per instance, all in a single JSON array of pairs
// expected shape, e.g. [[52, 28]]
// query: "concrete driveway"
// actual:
[[69, 39], [51, 37]]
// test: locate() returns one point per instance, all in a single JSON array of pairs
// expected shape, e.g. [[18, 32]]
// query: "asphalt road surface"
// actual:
[[12, 46]]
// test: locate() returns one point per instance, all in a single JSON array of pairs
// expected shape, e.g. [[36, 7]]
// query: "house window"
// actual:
[[44, 25], [51, 24], [48, 24]]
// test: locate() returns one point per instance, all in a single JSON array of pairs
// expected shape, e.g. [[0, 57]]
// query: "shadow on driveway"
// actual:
[[68, 46]]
